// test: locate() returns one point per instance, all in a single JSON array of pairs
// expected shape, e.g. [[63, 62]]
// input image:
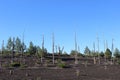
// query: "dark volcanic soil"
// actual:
[[91, 72]]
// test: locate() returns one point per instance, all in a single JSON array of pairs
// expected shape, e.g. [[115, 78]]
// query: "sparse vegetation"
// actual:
[[61, 65], [16, 56]]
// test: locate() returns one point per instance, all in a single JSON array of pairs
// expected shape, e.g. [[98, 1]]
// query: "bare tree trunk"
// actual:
[[76, 56], [23, 57], [98, 50], [53, 47], [94, 59], [112, 60], [42, 50], [56, 49], [106, 49]]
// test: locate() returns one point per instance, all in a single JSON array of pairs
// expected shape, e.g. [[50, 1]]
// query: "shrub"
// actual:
[[61, 65], [15, 64]]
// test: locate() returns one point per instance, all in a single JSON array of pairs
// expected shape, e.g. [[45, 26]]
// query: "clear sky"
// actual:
[[63, 17]]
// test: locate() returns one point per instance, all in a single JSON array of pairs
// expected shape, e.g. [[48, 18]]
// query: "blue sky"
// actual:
[[63, 17]]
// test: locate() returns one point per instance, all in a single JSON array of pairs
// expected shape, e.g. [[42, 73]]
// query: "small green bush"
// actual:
[[61, 65], [15, 64]]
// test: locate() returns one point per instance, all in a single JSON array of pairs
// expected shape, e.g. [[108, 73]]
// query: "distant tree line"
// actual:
[[19, 47], [108, 53]]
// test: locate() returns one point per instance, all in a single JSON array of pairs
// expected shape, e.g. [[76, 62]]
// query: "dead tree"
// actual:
[[22, 45], [53, 47], [22, 49], [112, 51], [106, 49], [76, 54], [98, 49], [56, 49], [42, 50], [94, 53], [104, 43], [78, 49]]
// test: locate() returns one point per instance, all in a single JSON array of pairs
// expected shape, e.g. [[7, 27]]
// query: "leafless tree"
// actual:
[[112, 50], [98, 49], [53, 47], [76, 56], [94, 53], [42, 50]]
